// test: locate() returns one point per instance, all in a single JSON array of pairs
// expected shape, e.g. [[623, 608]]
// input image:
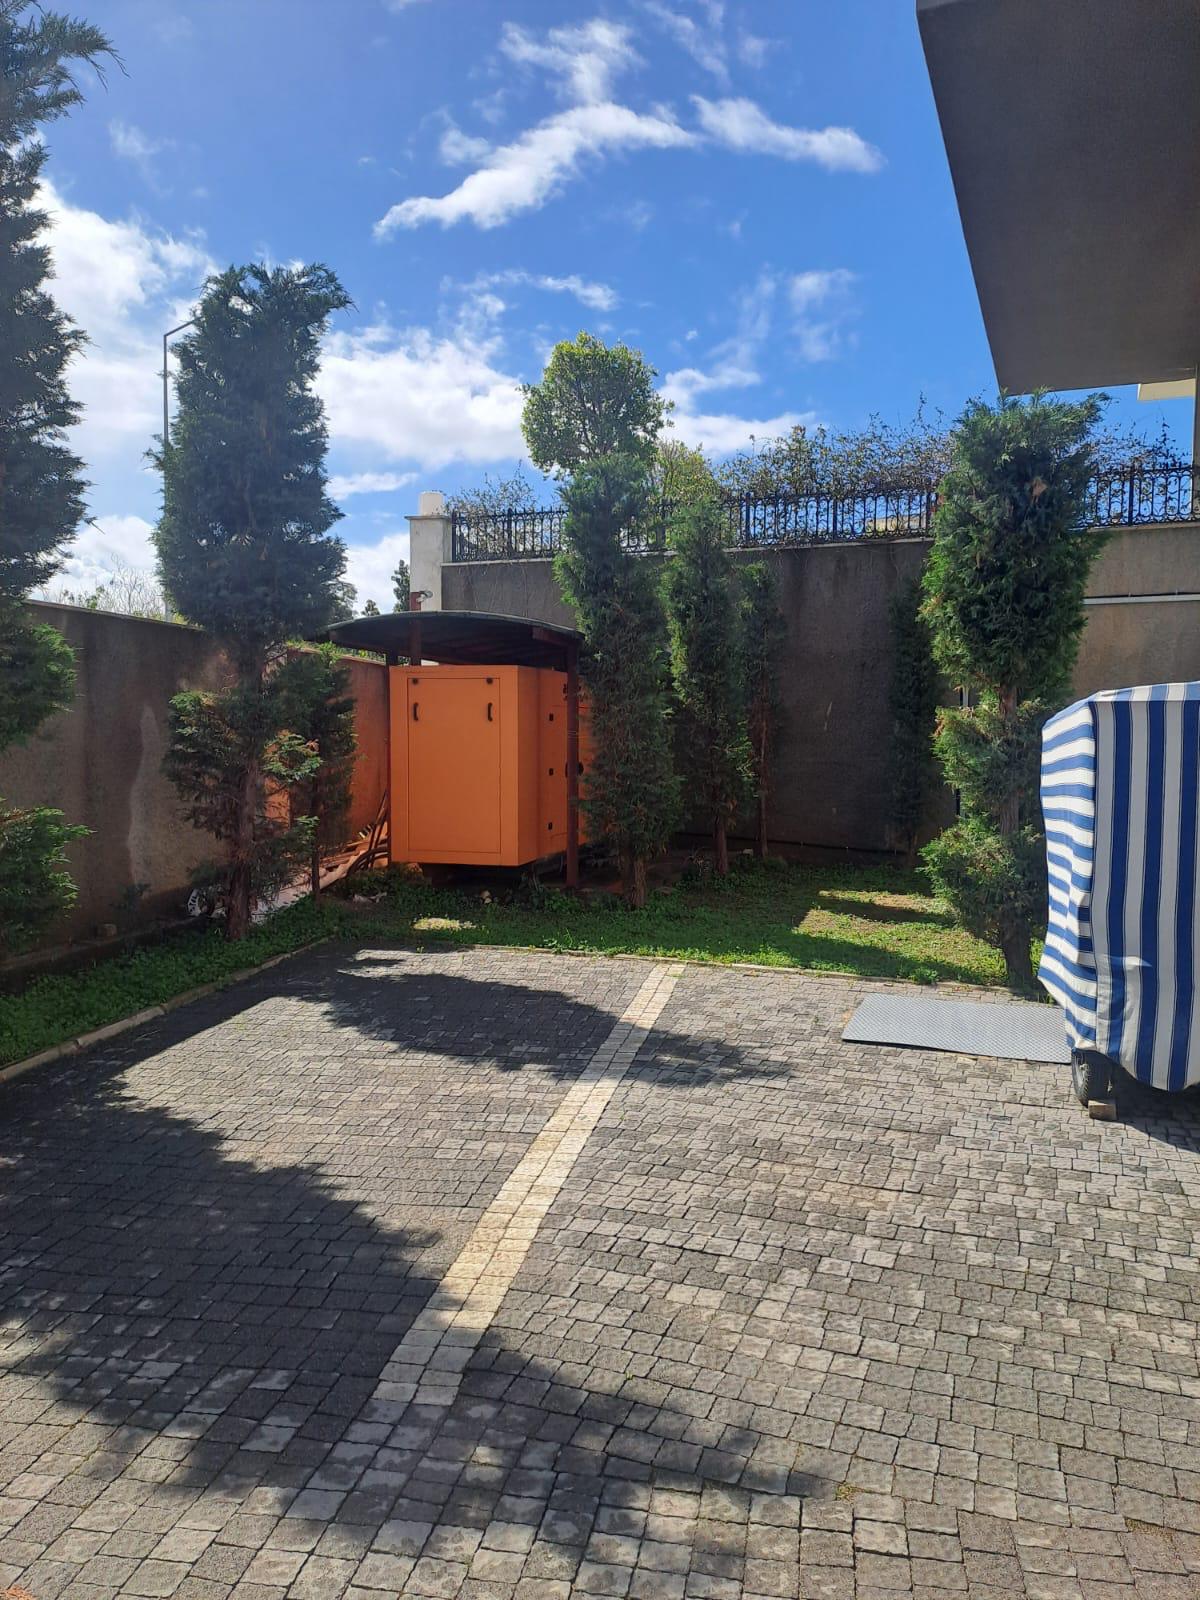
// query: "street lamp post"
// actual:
[[170, 333]]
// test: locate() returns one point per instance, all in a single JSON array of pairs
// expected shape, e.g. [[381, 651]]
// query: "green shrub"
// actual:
[[713, 750], [1004, 587], [992, 879], [630, 790], [912, 700], [60, 1005], [35, 888]]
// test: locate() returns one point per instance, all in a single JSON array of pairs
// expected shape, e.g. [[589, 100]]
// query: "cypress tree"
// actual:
[[594, 419], [41, 487], [912, 700], [760, 640], [1004, 589], [711, 731], [630, 792], [244, 551]]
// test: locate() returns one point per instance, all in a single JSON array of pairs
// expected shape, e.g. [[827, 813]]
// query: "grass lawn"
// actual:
[[879, 922], [876, 922]]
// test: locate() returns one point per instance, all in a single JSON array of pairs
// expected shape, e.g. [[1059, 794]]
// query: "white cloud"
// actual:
[[744, 126], [125, 284], [108, 544], [685, 384], [523, 175], [459, 149], [752, 50], [369, 568], [409, 395], [342, 487], [733, 364], [131, 144], [585, 58], [703, 40], [396, 397], [821, 303], [596, 296], [172, 28], [720, 433], [583, 62]]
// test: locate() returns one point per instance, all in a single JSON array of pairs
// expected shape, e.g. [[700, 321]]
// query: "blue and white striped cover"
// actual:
[[1121, 801]]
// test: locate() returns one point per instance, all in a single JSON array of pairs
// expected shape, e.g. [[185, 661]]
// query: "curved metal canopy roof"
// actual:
[[461, 638]]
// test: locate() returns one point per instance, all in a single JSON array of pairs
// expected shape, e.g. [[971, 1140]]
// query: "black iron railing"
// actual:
[[1134, 495], [1125, 496], [503, 535]]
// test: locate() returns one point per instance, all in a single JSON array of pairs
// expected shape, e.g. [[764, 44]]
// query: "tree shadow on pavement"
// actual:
[[203, 1277], [392, 997]]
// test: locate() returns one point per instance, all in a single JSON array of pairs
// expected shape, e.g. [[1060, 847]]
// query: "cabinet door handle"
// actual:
[[416, 718], [489, 710]]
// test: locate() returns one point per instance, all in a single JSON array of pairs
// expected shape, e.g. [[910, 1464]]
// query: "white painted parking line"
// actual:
[[428, 1363]]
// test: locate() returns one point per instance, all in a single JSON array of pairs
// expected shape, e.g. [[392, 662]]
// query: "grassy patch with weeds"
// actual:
[[875, 922], [878, 922], [60, 1005]]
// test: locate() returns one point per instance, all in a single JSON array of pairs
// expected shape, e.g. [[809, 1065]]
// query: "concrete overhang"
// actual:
[[1072, 129]]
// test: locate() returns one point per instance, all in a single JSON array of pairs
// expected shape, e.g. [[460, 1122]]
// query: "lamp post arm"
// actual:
[[170, 333]]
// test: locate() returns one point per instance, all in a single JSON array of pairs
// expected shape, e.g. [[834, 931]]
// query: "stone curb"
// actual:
[[70, 1047]]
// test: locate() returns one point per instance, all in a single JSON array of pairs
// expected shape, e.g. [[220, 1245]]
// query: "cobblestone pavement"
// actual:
[[489, 1274]]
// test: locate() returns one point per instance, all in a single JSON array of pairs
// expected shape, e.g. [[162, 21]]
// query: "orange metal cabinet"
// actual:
[[477, 764]]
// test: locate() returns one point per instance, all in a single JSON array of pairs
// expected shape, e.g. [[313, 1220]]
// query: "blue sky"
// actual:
[[755, 194]]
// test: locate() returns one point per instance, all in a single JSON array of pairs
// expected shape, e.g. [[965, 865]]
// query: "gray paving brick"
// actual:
[[794, 1318]]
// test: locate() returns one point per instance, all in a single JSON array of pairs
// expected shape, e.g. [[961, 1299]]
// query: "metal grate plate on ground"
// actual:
[[1015, 1030]]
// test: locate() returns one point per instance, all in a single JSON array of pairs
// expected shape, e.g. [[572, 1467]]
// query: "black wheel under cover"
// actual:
[[1091, 1076]]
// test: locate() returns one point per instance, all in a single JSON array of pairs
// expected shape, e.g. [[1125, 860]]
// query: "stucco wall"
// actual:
[[99, 762], [1151, 640], [832, 763]]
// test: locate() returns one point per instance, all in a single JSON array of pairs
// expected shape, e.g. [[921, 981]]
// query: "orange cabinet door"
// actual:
[[453, 727]]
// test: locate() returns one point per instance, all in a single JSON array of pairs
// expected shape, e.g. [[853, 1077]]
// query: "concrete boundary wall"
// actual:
[[1143, 626], [100, 763]]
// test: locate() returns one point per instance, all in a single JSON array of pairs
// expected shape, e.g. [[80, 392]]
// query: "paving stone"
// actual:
[[444, 1274]]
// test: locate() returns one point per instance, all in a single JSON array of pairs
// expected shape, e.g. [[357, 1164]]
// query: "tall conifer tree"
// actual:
[[630, 791], [1004, 588], [711, 732], [594, 420], [245, 551], [761, 633], [41, 487]]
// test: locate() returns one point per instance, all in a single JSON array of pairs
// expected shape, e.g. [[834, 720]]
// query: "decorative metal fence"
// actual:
[[503, 535], [1134, 495], [1125, 496]]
